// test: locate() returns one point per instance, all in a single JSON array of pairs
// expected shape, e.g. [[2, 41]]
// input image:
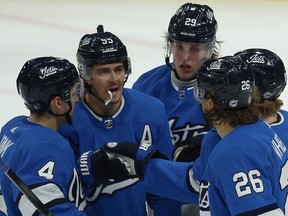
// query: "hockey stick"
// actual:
[[4, 167]]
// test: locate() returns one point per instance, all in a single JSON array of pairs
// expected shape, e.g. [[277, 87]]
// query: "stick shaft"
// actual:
[[4, 167]]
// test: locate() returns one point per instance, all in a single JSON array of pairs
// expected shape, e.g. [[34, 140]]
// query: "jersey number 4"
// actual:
[[47, 170]]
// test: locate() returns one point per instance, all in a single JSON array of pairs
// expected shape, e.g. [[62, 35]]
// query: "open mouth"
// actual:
[[113, 89], [185, 66]]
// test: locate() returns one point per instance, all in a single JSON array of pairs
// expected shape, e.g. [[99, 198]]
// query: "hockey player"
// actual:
[[240, 181], [39, 155], [270, 78], [110, 112], [33, 148], [191, 39], [245, 172]]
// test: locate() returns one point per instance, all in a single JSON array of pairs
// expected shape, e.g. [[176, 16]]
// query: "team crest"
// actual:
[[181, 94], [108, 123]]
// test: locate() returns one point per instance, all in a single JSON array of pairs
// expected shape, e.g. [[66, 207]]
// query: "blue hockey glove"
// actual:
[[97, 167], [135, 155], [187, 150]]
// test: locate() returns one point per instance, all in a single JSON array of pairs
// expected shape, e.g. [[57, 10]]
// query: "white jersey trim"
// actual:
[[193, 182], [46, 193]]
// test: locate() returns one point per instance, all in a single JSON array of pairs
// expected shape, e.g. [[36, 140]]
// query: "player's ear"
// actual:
[[210, 104], [57, 105], [207, 104]]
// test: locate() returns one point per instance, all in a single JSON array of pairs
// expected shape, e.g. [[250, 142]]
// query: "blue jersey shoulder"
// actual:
[[153, 80], [43, 159], [247, 155], [143, 103], [281, 126]]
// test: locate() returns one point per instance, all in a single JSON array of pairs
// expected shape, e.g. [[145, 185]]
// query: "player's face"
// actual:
[[189, 57], [108, 77]]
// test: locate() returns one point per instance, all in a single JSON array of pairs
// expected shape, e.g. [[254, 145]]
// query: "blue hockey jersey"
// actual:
[[185, 116], [257, 166], [183, 179], [247, 172], [141, 118], [281, 127], [45, 162], [209, 142]]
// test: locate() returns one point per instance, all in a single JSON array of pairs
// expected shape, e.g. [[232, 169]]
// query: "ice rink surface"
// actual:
[[33, 28]]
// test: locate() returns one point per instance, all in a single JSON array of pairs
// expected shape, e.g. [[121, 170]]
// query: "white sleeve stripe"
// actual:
[[205, 213], [193, 182], [46, 193]]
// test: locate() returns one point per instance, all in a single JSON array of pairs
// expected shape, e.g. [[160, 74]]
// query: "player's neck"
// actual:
[[99, 108], [45, 120], [223, 129], [270, 119]]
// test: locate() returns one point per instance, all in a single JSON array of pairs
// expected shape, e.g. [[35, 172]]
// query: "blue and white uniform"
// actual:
[[184, 114], [247, 174], [45, 162], [141, 118], [209, 142]]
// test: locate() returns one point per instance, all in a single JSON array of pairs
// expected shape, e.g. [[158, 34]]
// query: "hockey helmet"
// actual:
[[269, 71], [228, 79], [101, 48], [193, 23], [42, 78]]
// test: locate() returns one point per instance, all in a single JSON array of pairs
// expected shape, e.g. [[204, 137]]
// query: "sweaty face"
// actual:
[[189, 57], [108, 77]]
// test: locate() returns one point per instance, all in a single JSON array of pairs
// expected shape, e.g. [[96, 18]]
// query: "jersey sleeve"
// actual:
[[49, 172], [244, 181], [170, 179], [164, 140]]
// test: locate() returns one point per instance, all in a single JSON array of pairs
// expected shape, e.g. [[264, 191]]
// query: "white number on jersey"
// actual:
[[245, 183], [47, 170]]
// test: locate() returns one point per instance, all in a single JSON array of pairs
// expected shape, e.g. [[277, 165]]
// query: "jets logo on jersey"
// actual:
[[185, 132]]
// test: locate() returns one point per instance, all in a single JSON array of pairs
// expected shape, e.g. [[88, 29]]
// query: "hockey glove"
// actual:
[[103, 167], [135, 155], [187, 150]]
